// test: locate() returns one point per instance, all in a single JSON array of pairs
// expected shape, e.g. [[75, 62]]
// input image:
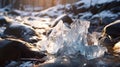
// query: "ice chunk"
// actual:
[[55, 39], [74, 40], [91, 52], [64, 41]]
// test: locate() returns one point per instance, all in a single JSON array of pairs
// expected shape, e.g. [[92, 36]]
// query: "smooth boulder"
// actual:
[[15, 50]]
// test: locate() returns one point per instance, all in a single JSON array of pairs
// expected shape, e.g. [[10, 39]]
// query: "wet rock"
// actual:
[[14, 13], [116, 47], [107, 60], [65, 18], [16, 49], [106, 41], [115, 9], [23, 32], [104, 6], [110, 35], [76, 10], [3, 21], [112, 29], [98, 7], [96, 21]]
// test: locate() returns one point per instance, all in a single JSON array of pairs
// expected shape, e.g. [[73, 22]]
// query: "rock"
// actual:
[[115, 9], [3, 21], [65, 18], [116, 47], [110, 36], [98, 7], [15, 13], [17, 49], [106, 42], [20, 31], [112, 29]]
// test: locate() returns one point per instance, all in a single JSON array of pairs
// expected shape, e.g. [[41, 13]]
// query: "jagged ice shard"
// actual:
[[71, 40]]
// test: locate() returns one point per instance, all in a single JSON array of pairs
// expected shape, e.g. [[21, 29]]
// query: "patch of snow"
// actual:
[[85, 15], [23, 13], [88, 3], [16, 24], [26, 64], [2, 30], [1, 17], [38, 22], [68, 6], [12, 64], [103, 1], [104, 14]]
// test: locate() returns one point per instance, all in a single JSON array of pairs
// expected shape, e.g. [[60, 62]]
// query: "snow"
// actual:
[[104, 14], [88, 3], [103, 1], [38, 23], [2, 30], [26, 64], [85, 15], [12, 64]]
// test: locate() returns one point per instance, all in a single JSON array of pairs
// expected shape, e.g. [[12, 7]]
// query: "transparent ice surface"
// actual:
[[72, 40]]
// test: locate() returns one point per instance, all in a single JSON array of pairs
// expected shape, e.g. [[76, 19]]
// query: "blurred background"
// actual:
[[39, 4]]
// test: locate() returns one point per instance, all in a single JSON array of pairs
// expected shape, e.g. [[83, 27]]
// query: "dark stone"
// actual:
[[76, 8], [65, 18], [14, 50], [97, 8], [79, 10], [115, 9], [112, 29], [22, 32], [106, 42], [14, 13], [110, 35], [3, 21], [104, 6]]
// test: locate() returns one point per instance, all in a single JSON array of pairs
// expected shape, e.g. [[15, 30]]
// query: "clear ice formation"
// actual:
[[71, 40]]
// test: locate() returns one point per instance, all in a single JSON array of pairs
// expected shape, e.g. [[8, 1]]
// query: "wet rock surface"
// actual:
[[15, 50], [20, 31], [110, 34]]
